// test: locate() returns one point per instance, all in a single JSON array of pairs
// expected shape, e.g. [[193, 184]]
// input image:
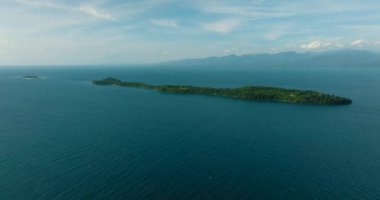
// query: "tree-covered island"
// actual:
[[258, 93], [31, 77]]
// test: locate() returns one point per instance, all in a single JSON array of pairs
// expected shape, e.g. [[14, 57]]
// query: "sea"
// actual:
[[63, 138]]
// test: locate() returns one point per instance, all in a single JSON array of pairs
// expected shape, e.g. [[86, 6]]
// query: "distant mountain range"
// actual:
[[333, 59]]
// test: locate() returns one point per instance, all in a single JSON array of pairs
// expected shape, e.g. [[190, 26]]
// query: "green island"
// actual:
[[31, 77], [257, 93]]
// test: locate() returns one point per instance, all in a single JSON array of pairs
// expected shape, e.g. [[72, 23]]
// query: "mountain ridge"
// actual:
[[337, 58]]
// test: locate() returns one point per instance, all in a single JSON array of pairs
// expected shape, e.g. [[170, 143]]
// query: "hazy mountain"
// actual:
[[342, 58]]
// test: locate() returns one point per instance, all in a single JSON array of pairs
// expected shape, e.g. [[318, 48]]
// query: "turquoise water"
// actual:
[[63, 138]]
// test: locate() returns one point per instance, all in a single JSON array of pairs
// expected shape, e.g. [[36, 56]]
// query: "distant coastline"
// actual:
[[33, 77], [347, 58], [256, 93]]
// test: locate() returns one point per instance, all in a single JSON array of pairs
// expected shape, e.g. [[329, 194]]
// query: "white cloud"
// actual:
[[91, 10], [279, 29], [358, 43], [253, 8], [233, 50], [273, 35], [165, 22], [40, 3], [326, 44], [274, 49], [242, 50], [315, 45], [224, 26], [311, 45], [83, 8], [4, 44], [227, 51]]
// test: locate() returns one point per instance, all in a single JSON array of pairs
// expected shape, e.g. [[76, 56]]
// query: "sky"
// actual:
[[80, 32]]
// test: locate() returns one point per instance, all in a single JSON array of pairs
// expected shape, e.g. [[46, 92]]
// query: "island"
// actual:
[[31, 77], [256, 93]]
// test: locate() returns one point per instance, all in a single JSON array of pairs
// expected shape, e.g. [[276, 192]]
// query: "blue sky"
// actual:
[[60, 32]]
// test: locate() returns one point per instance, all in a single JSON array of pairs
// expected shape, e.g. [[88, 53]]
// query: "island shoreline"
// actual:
[[250, 93]]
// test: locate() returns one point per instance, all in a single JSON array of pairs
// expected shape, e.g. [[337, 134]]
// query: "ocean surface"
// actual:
[[63, 138]]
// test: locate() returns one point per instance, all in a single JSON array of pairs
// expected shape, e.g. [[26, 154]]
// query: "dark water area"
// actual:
[[63, 138]]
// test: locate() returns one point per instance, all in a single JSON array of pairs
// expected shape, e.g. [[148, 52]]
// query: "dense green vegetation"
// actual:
[[246, 93], [31, 77]]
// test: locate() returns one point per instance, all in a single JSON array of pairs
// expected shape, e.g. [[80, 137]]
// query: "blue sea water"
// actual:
[[63, 138]]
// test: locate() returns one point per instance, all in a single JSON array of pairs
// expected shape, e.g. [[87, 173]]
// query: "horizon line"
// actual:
[[190, 58]]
